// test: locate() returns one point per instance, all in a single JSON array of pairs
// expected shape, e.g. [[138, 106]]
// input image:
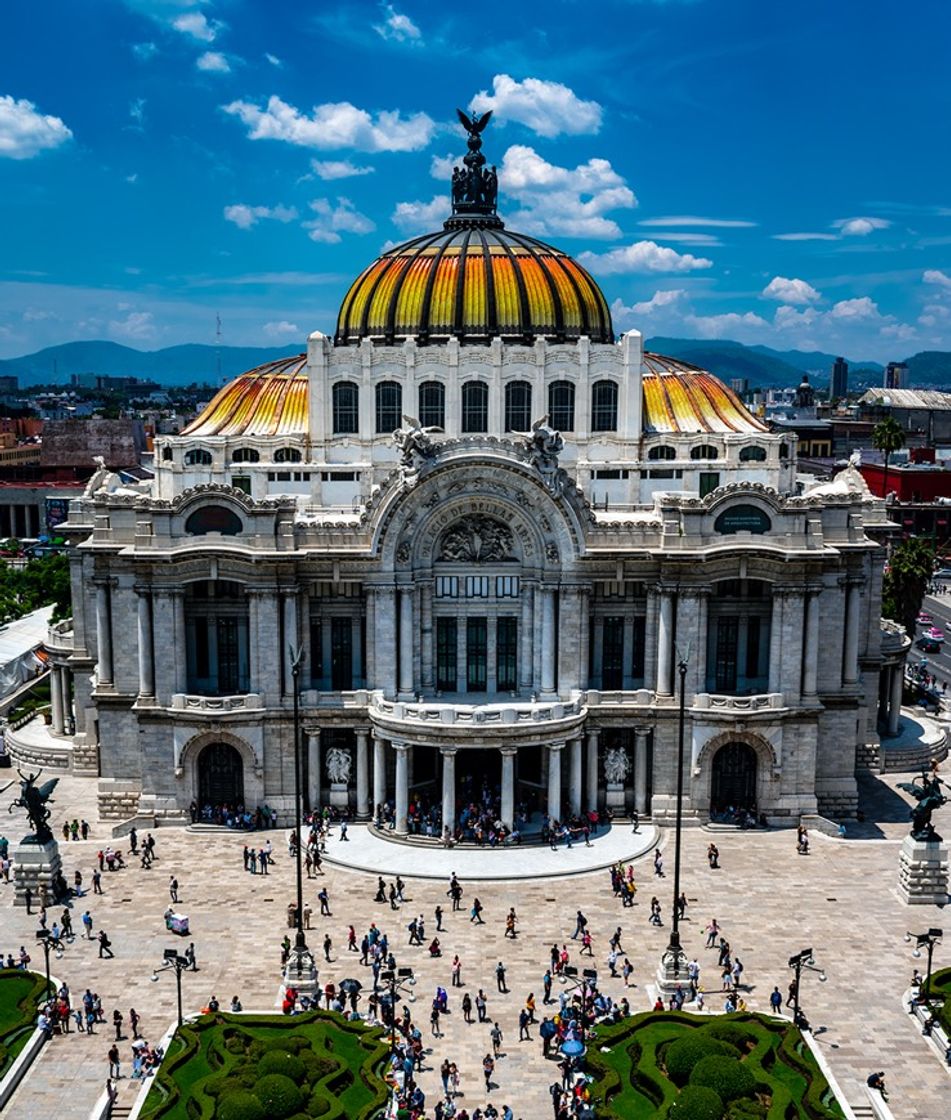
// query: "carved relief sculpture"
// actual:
[[338, 765], [476, 540], [544, 445], [617, 765]]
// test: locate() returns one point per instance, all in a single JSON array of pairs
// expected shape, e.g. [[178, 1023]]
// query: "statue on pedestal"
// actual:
[[926, 791], [33, 798]]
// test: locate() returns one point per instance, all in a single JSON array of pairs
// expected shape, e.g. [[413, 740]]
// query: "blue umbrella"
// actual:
[[572, 1048]]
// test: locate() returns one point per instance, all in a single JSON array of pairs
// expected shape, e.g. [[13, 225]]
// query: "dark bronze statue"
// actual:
[[475, 188], [33, 798], [926, 791]]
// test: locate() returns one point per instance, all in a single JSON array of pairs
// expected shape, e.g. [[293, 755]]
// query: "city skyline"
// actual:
[[170, 161]]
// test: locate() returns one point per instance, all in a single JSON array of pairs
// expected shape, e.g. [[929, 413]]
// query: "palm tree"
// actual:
[[887, 436]]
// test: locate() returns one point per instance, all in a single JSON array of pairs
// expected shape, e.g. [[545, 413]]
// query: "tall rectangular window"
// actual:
[[612, 654], [345, 397], [446, 638], [726, 650], [753, 635], [229, 679], [316, 652], [475, 407], [389, 406], [639, 648], [518, 406], [432, 404], [709, 481], [341, 654], [506, 654], [604, 406], [476, 650], [561, 406]]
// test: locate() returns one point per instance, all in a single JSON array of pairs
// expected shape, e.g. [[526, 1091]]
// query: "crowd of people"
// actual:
[[233, 816]]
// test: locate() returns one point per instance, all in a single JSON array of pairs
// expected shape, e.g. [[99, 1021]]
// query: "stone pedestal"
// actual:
[[34, 865], [339, 795], [300, 972], [614, 798], [923, 872], [672, 971]]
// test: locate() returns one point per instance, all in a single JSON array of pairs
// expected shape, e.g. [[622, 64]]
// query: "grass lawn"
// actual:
[[20, 995], [270, 1067], [941, 991], [639, 1072]]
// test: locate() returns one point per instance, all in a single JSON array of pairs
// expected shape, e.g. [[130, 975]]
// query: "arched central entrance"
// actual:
[[733, 785], [220, 775]]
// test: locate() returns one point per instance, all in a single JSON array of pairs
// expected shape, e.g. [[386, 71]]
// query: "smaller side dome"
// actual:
[[682, 398], [270, 400]]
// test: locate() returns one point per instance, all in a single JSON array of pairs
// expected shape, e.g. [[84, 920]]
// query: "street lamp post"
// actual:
[[928, 940], [179, 963], [300, 971], [45, 938], [673, 962], [397, 979], [802, 960]]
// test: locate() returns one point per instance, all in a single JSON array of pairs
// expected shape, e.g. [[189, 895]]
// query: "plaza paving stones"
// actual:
[[840, 899]]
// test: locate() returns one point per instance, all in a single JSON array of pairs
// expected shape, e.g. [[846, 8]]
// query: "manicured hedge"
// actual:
[[697, 1103], [21, 994]]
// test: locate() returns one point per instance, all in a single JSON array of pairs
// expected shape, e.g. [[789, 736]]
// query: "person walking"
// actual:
[[500, 977], [437, 914], [328, 945], [105, 945], [713, 932], [117, 1023], [580, 922], [546, 986], [96, 881], [87, 924], [134, 1023], [510, 922], [173, 888], [658, 864], [523, 1021], [488, 1068], [114, 1067], [776, 1000], [480, 1003], [496, 1035], [467, 1007], [456, 972], [324, 899], [476, 913]]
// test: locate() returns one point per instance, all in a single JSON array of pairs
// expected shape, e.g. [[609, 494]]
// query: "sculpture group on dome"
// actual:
[[475, 188]]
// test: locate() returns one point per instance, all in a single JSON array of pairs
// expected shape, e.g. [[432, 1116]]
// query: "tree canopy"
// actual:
[[37, 584], [910, 568]]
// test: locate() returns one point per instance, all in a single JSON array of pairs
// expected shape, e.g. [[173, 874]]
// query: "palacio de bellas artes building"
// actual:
[[494, 529]]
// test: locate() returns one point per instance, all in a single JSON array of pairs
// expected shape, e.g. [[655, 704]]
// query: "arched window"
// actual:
[[432, 404], [389, 406], [287, 455], [561, 406], [346, 408], [604, 406], [518, 406], [245, 455], [213, 519], [475, 407], [754, 454], [166, 454], [704, 451], [663, 452], [198, 457]]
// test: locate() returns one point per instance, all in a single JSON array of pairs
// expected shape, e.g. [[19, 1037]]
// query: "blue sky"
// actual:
[[725, 168]]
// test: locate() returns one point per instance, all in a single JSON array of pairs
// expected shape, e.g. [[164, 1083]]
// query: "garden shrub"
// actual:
[[279, 1095], [292, 1043], [281, 1061], [241, 1105], [734, 1033], [684, 1053], [235, 1044], [696, 1102], [727, 1077], [747, 1108]]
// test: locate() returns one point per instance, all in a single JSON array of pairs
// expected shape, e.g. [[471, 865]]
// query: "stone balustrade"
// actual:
[[59, 637], [215, 705], [708, 701], [509, 713]]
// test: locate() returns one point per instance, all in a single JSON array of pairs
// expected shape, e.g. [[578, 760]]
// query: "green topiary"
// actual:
[[747, 1108], [734, 1033], [293, 1043], [683, 1053], [240, 1105], [235, 1044], [279, 1095], [281, 1061], [696, 1103], [727, 1077]]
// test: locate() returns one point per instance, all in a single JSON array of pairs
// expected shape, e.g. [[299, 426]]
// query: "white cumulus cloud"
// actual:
[[397, 26], [215, 62], [642, 256], [548, 108], [25, 132], [421, 217], [274, 60], [563, 200], [334, 125], [282, 329], [790, 291], [338, 169], [244, 217], [136, 325], [730, 323], [859, 227], [332, 220], [197, 25], [936, 276], [864, 307], [663, 306]]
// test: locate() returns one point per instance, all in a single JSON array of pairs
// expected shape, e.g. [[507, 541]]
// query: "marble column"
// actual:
[[584, 636], [146, 655], [850, 664], [56, 699], [448, 788], [526, 671], [181, 641], [291, 639], [574, 779], [379, 773], [313, 768], [508, 786], [370, 611], [426, 637], [548, 640], [810, 652], [103, 635], [402, 787], [776, 642], [363, 773], [894, 702], [554, 780], [665, 644], [384, 654], [640, 769], [592, 800], [407, 634]]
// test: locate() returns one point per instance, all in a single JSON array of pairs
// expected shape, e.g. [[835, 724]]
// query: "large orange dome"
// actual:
[[474, 281]]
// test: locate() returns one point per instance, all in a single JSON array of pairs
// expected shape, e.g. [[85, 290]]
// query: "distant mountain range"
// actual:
[[762, 366]]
